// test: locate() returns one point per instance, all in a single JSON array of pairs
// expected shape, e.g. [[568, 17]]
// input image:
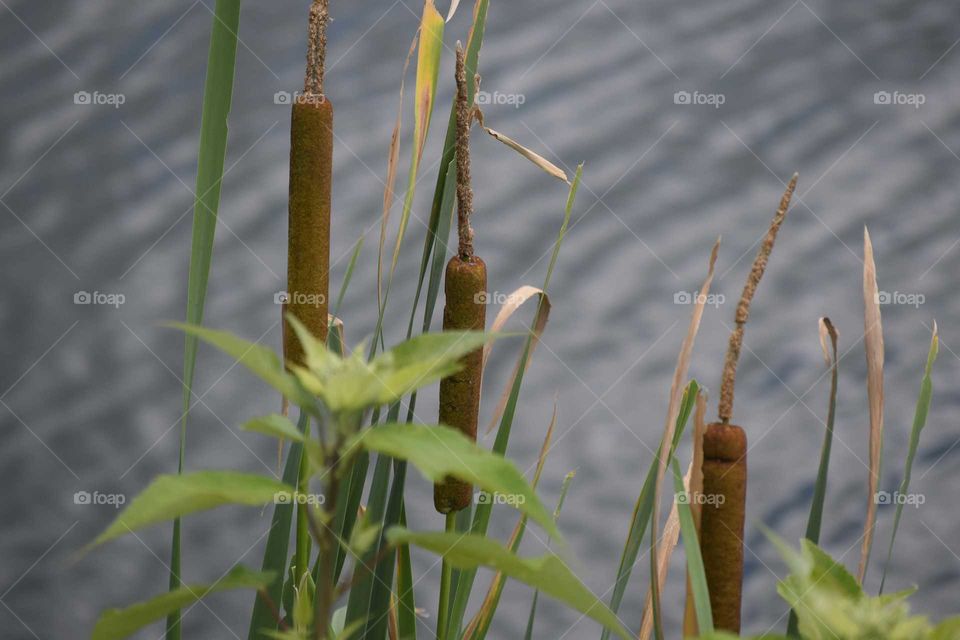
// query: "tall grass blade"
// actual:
[[828, 333], [406, 604], [347, 276], [873, 341], [278, 542], [643, 509], [919, 420], [676, 389], [480, 625], [650, 492], [567, 480], [696, 488], [668, 542], [217, 98], [428, 70], [691, 546]]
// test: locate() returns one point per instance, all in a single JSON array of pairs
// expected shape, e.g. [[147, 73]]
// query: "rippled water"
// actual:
[[98, 199]]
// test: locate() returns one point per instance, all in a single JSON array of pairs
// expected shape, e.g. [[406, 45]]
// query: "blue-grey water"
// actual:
[[97, 198]]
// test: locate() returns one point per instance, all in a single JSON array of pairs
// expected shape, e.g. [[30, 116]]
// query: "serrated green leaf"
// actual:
[[260, 360], [438, 451], [114, 624], [170, 496], [548, 573]]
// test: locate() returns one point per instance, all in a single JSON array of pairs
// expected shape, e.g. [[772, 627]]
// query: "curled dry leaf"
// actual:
[[514, 301], [530, 155]]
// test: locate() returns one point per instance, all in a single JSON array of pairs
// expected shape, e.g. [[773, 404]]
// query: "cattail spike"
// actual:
[[464, 188], [743, 307], [317, 47]]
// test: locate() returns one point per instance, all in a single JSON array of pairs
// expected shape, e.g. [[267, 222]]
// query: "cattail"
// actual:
[[725, 462], [311, 165], [465, 309]]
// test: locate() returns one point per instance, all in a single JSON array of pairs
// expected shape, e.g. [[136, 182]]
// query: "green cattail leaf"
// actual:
[[406, 603], [643, 510], [172, 496], [122, 623], [278, 542], [528, 634], [348, 275], [217, 99], [691, 545], [548, 573], [358, 603], [919, 420], [828, 334], [428, 71], [438, 451]]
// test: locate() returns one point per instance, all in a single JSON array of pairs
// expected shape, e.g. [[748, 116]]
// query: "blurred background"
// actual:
[[690, 118]]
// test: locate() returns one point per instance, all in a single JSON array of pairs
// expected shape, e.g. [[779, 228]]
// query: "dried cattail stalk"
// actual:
[[743, 308], [311, 175], [465, 309]]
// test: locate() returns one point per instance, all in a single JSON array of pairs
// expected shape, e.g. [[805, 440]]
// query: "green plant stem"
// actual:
[[327, 541], [446, 574], [303, 525]]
